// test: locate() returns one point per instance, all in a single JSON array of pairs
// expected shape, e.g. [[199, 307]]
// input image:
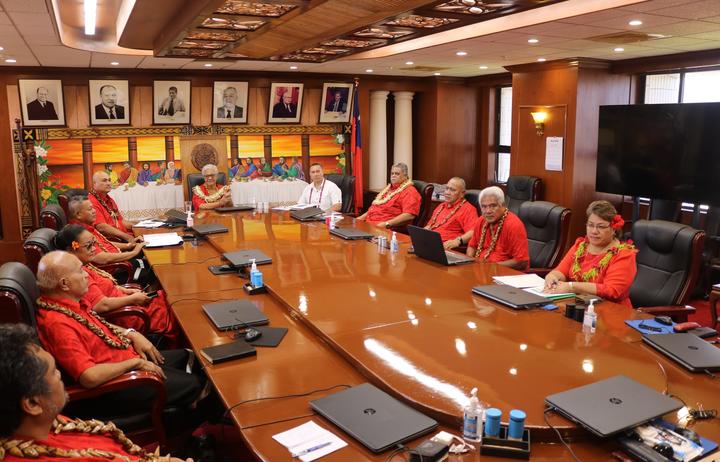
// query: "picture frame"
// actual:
[[336, 102], [109, 102], [171, 102], [41, 102], [230, 102], [285, 103]]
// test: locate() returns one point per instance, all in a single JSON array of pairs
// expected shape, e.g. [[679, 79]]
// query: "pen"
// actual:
[[314, 448]]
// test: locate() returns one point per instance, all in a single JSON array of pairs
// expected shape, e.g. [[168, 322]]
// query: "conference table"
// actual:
[[356, 313]]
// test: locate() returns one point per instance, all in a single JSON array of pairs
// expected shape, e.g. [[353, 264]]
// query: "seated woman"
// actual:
[[598, 264], [104, 294], [208, 196]]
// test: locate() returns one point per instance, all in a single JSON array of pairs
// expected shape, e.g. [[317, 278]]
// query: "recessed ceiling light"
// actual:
[[90, 10], [436, 73], [483, 67], [619, 49], [409, 63], [533, 40], [635, 22], [292, 68], [1, 48], [368, 70], [114, 63], [10, 60], [207, 65], [541, 60], [461, 53]]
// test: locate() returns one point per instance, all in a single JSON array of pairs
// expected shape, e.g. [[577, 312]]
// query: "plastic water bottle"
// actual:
[[590, 318], [189, 219], [256, 277], [394, 245], [472, 418]]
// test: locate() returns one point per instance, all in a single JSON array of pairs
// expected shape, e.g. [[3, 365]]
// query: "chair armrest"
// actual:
[[126, 311], [113, 268], [132, 285], [678, 313]]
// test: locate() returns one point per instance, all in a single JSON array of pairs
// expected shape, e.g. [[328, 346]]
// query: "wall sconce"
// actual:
[[539, 119]]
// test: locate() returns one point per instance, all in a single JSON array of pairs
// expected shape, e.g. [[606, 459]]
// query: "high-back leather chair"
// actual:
[[65, 198], [473, 197], [194, 179], [547, 226], [37, 244], [18, 292], [426, 190], [521, 188], [53, 216], [662, 209], [668, 264], [346, 183]]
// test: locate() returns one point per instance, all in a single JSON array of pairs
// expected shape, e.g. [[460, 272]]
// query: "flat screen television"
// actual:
[[662, 151]]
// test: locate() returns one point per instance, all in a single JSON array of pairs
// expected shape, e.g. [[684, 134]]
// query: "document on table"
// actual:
[[539, 291], [151, 223], [162, 239], [293, 207], [520, 281], [309, 441]]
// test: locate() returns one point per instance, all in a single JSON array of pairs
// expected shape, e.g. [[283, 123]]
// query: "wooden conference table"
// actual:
[[407, 325]]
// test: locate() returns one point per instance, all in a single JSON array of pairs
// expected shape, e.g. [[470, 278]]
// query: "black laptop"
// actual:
[[176, 217], [235, 208], [689, 350], [517, 299], [373, 417], [612, 405], [209, 228], [350, 234], [235, 314], [241, 258], [307, 214], [428, 245]]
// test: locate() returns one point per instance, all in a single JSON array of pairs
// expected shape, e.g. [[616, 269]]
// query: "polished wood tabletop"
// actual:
[[358, 313]]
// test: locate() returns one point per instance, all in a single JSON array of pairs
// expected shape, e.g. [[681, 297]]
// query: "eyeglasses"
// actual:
[[599, 227], [90, 245]]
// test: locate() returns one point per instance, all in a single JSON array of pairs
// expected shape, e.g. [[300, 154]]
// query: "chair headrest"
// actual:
[[44, 238], [420, 185], [658, 235], [17, 278], [538, 213]]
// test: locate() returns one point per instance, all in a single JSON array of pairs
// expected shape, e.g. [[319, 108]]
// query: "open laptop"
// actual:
[[235, 208], [176, 217], [510, 296], [612, 405], [307, 214], [350, 234], [373, 417], [689, 350], [428, 245], [241, 258], [209, 228], [234, 314]]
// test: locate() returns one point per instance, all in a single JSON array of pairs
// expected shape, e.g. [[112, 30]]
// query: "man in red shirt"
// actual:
[[397, 204], [455, 218], [109, 220], [32, 395], [499, 235]]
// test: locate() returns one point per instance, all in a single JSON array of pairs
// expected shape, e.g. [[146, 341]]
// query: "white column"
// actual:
[[378, 140], [402, 144]]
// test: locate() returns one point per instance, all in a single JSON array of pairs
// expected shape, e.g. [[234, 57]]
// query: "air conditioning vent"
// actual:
[[627, 37]]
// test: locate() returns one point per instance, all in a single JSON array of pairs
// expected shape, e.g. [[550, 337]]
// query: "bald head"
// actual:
[[454, 189], [54, 267], [101, 182]]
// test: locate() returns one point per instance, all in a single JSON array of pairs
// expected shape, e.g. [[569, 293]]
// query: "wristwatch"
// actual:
[[387, 224], [129, 331]]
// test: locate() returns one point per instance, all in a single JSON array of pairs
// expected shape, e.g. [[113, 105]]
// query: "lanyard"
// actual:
[[312, 188]]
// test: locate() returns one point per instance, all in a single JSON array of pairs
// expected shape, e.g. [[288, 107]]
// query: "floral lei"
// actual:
[[383, 197], [493, 241], [100, 272], [435, 216], [31, 450], [114, 212], [124, 342], [593, 272], [214, 197]]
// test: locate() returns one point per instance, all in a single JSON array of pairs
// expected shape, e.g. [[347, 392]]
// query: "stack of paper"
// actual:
[[309, 441], [520, 281], [162, 239], [151, 223], [539, 291]]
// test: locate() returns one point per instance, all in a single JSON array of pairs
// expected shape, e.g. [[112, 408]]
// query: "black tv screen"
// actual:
[[661, 151]]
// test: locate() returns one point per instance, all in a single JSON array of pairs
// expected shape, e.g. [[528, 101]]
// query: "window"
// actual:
[[504, 131], [662, 88]]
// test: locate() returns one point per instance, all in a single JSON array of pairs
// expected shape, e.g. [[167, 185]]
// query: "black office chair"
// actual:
[[195, 179], [64, 198], [521, 188], [53, 216], [346, 183], [547, 226], [661, 209], [426, 190], [668, 264], [473, 197]]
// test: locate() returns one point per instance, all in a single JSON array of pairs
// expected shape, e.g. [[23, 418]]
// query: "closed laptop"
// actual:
[[428, 244], [510, 296], [374, 418], [235, 208], [234, 314], [244, 257], [307, 214], [209, 228], [689, 350], [350, 234]]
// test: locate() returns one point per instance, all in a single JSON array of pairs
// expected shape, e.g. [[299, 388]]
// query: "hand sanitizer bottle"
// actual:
[[394, 245], [189, 219], [590, 318], [256, 277], [472, 419]]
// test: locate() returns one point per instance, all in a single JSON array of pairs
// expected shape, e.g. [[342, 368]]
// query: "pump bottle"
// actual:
[[472, 419]]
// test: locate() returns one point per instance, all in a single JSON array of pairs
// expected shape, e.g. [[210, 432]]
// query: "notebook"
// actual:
[[510, 296], [307, 214], [350, 234], [374, 418], [234, 314], [209, 228], [235, 208], [689, 350], [612, 405], [242, 257], [428, 245], [221, 353]]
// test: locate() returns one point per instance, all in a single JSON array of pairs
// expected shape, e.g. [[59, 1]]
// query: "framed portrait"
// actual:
[[41, 102], [109, 102], [171, 102], [336, 104], [230, 102], [285, 103]]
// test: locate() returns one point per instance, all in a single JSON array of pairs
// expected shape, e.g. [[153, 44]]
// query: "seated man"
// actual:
[[397, 204], [251, 171], [32, 395], [109, 220], [208, 196], [321, 193], [499, 235], [280, 169], [296, 169], [92, 351], [455, 218]]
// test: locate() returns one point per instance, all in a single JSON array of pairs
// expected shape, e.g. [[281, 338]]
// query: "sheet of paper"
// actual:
[[282, 208], [520, 281], [301, 206], [148, 224], [554, 153], [539, 291], [161, 239], [309, 435]]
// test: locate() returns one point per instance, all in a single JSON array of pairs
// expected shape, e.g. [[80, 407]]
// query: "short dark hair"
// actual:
[[22, 373], [65, 237], [172, 88], [106, 86], [316, 163]]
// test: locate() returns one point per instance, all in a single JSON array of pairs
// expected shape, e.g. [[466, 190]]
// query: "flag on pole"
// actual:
[[356, 150]]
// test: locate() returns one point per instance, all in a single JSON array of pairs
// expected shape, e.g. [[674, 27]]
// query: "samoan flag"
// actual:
[[356, 151]]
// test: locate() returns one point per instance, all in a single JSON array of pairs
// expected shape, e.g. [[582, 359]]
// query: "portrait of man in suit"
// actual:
[[338, 102], [285, 108], [172, 104], [41, 108], [229, 109], [108, 109]]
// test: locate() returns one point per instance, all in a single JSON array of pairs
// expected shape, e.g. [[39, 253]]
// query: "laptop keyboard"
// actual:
[[451, 256]]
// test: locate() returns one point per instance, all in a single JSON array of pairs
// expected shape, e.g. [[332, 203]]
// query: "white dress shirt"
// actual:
[[327, 195]]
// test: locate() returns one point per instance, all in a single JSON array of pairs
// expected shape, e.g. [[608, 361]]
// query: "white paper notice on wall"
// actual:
[[554, 153]]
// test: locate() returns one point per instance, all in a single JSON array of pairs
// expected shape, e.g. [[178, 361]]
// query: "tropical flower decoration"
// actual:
[[50, 186]]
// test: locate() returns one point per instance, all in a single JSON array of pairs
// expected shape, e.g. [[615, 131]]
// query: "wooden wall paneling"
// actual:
[[201, 110], [146, 106], [71, 106], [425, 145], [487, 139], [82, 97], [13, 105], [9, 199], [310, 114], [87, 160], [136, 106], [456, 132]]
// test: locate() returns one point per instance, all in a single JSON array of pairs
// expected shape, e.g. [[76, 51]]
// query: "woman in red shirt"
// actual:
[[598, 263], [208, 195]]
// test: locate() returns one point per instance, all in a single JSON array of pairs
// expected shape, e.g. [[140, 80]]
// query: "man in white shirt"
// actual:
[[320, 192]]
